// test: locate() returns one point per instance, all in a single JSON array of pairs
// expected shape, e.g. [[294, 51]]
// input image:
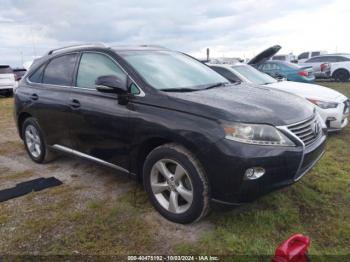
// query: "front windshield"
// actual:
[[166, 70], [254, 75]]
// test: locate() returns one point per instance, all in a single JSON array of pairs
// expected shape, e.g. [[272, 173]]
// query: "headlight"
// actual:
[[323, 104], [256, 134]]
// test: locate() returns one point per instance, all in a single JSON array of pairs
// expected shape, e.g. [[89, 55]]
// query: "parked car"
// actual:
[[339, 65], [307, 55], [7, 80], [330, 104], [19, 73], [170, 121], [321, 69], [281, 69]]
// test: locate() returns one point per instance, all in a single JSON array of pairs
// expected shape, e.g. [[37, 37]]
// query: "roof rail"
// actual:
[[77, 45]]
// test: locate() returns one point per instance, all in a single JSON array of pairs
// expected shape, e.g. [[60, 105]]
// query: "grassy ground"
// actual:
[[82, 217]]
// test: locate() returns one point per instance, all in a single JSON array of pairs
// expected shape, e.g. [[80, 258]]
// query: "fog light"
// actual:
[[254, 173]]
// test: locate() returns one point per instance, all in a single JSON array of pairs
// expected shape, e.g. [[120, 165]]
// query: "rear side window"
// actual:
[[60, 70], [5, 70], [315, 54], [93, 65], [38, 75]]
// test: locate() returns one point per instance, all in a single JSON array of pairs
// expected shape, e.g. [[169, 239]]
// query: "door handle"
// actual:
[[75, 103], [34, 97]]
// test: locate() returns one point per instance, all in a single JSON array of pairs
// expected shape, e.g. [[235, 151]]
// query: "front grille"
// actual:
[[308, 130], [346, 107]]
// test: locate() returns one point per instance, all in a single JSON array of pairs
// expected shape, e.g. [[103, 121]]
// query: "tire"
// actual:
[[181, 183], [341, 75], [34, 142]]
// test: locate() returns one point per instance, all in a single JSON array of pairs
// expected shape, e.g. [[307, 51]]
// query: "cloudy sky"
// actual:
[[229, 28]]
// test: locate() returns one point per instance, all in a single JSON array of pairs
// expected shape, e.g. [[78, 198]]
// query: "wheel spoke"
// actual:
[[29, 135], [185, 193], [37, 149], [173, 202], [31, 147], [179, 172], [159, 187], [163, 169]]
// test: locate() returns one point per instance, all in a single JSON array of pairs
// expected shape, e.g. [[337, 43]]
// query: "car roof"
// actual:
[[116, 48]]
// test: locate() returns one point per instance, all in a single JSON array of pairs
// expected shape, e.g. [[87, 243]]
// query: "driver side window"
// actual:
[[93, 65]]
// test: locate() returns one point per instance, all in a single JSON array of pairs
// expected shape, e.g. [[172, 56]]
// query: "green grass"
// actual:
[[57, 221]]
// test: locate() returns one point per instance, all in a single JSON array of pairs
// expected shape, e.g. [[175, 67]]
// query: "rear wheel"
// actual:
[[341, 75], [34, 142], [176, 184]]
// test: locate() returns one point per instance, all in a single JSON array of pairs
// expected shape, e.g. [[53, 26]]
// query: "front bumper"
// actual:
[[283, 166], [335, 118]]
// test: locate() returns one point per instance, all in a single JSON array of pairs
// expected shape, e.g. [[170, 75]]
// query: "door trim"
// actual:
[[80, 154]]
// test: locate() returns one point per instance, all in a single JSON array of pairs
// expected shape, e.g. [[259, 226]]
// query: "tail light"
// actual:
[[303, 73], [324, 66], [294, 249]]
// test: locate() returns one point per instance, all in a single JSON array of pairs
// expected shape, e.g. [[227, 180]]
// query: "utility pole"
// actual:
[[208, 54]]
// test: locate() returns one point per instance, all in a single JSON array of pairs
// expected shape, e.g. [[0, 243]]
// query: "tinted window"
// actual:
[[303, 55], [315, 54], [342, 59], [5, 70], [38, 75], [92, 66], [226, 73], [60, 70], [314, 60]]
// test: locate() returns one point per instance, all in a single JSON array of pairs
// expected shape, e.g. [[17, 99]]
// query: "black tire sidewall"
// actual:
[[197, 206], [339, 75], [33, 122]]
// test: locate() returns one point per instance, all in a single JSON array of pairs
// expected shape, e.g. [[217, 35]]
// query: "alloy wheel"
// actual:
[[33, 141], [171, 186]]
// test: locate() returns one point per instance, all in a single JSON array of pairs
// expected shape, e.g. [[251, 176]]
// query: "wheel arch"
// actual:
[[20, 120], [138, 158]]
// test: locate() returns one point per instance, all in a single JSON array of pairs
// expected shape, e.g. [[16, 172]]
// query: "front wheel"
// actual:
[[176, 184]]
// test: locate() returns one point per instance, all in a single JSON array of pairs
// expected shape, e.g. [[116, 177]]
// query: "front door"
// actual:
[[99, 126]]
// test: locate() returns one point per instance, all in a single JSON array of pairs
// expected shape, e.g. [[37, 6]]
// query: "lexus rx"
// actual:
[[168, 120]]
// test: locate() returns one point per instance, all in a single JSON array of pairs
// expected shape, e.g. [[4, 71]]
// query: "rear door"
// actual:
[[99, 124], [48, 94]]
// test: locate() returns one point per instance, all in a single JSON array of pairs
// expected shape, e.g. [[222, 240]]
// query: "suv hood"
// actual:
[[308, 90], [244, 103], [265, 55]]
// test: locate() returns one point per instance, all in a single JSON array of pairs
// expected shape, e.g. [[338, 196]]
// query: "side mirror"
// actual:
[[110, 84]]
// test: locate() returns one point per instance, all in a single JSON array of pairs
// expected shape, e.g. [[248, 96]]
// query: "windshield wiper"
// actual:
[[216, 85], [182, 89]]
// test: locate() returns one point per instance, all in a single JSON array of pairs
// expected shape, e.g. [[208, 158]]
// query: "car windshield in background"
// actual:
[[5, 70], [166, 70], [253, 75]]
